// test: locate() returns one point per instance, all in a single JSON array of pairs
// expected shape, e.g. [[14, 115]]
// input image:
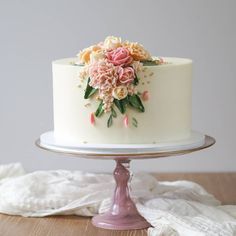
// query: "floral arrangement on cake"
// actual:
[[110, 68]]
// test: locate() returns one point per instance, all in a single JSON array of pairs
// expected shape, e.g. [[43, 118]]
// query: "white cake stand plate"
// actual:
[[113, 151], [123, 214]]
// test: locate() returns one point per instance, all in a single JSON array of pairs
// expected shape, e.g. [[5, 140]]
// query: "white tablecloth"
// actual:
[[175, 208]]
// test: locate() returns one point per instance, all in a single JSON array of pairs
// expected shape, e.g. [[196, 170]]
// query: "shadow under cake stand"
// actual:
[[123, 214]]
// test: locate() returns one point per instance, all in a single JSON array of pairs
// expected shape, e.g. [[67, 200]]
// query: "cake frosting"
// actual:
[[116, 93], [147, 99]]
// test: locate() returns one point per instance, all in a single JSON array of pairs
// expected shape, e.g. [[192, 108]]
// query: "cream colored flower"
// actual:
[[120, 92], [96, 56], [112, 42], [137, 66], [137, 51], [84, 55]]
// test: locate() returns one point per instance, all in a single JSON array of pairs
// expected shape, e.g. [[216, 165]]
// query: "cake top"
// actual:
[[111, 70], [169, 61], [117, 52]]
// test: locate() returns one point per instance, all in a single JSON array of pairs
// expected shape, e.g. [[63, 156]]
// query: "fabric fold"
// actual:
[[172, 208]]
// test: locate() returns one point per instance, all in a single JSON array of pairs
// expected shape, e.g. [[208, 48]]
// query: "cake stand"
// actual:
[[123, 214]]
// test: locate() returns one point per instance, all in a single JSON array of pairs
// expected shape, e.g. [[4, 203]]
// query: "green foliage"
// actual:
[[121, 104], [134, 122], [99, 110], [149, 63], [89, 91], [109, 122], [136, 102]]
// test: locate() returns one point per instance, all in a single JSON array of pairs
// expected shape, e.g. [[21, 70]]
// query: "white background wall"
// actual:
[[33, 33]]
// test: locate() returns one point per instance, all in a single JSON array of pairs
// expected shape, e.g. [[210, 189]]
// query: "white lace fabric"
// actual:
[[180, 208]]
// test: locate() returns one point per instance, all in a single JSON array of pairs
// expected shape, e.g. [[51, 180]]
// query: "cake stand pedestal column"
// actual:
[[123, 213]]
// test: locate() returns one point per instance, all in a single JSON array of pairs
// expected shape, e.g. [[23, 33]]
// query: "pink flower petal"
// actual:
[[92, 119], [126, 121], [145, 96], [161, 60]]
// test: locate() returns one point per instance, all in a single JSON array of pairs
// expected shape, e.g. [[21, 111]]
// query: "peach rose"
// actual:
[[84, 55], [126, 75], [137, 51], [119, 57]]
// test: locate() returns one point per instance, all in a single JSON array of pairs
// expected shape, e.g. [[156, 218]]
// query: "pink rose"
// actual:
[[119, 56], [126, 75]]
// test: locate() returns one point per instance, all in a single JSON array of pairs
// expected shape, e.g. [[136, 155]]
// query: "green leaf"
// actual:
[[89, 91], [136, 80], [121, 104], [149, 63], [134, 122], [136, 102], [109, 122], [113, 112], [138, 93], [99, 110]]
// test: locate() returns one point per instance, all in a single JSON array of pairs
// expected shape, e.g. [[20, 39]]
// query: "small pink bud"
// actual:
[[161, 60], [145, 96], [92, 119], [126, 121]]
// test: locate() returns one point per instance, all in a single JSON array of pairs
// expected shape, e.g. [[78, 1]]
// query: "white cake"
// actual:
[[167, 115]]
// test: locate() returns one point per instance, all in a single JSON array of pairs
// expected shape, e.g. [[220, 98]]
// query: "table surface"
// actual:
[[219, 184]]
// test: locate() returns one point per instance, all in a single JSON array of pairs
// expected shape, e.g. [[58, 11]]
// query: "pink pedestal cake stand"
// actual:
[[123, 214]]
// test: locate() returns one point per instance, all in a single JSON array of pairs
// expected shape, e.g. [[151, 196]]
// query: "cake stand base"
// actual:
[[123, 214], [109, 221]]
